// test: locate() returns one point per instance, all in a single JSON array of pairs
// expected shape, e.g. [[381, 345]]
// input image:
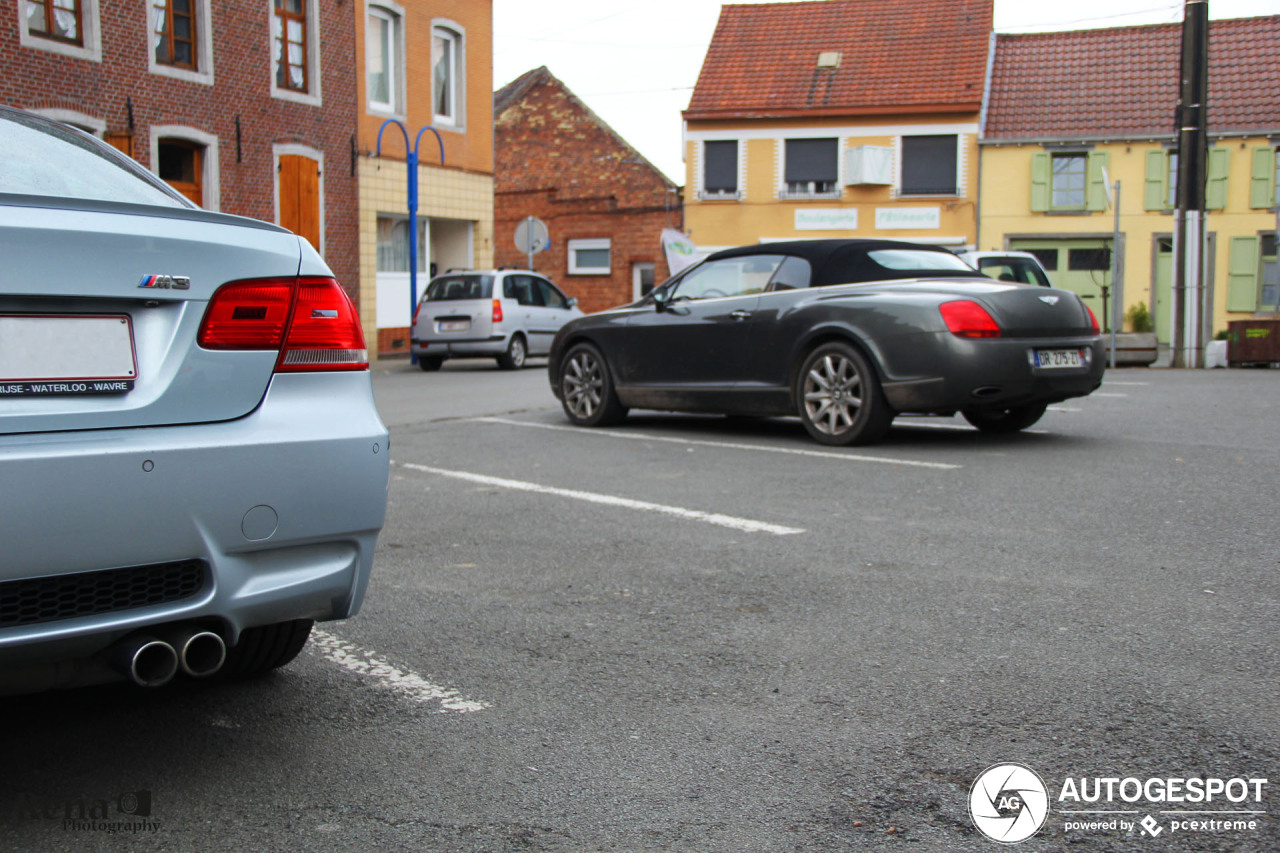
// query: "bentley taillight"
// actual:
[[968, 319]]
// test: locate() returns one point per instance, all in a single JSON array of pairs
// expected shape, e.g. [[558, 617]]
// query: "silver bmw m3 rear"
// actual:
[[192, 467]]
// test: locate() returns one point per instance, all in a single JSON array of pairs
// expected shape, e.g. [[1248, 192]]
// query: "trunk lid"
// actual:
[[152, 271]]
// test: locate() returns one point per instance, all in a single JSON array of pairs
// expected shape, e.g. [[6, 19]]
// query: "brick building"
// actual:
[[605, 206], [246, 107]]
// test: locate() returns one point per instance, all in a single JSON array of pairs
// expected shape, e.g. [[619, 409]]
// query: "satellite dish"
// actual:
[[532, 236]]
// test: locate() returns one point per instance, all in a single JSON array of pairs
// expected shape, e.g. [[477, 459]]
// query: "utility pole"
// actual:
[[1193, 153]]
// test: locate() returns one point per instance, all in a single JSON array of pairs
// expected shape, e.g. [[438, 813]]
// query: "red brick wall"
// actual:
[[37, 79], [559, 162]]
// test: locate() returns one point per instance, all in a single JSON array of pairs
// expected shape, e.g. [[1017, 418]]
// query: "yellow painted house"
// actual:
[[1068, 114], [425, 63], [838, 119]]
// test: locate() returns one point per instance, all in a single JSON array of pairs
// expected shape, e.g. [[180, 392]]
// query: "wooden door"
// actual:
[[300, 196]]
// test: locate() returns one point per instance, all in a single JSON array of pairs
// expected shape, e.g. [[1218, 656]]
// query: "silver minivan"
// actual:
[[507, 314]]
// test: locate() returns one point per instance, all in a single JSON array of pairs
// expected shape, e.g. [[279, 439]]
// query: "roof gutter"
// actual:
[[1121, 137], [982, 129], [832, 111]]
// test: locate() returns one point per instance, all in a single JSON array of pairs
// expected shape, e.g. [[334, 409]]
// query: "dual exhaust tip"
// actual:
[[154, 660]]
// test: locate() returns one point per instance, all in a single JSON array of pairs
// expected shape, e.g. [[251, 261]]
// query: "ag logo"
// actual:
[[1008, 803]]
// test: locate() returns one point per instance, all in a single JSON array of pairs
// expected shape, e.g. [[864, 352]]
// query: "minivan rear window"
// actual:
[[453, 288]]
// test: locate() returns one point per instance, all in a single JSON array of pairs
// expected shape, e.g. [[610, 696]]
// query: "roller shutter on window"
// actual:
[[811, 160]]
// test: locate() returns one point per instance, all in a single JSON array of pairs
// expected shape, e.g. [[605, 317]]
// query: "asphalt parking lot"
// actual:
[[711, 634]]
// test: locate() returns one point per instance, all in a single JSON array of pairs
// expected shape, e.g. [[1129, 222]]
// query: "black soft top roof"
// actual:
[[850, 261]]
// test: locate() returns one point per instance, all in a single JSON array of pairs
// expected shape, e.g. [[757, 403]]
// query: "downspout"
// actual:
[[982, 133]]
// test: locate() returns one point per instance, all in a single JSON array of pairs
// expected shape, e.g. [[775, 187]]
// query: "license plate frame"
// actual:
[[61, 354], [1058, 359], [453, 326]]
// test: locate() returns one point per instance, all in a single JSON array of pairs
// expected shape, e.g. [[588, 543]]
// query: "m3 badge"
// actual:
[[165, 282]]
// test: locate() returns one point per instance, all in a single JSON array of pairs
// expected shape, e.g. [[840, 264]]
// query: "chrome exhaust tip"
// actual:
[[146, 661], [201, 653]]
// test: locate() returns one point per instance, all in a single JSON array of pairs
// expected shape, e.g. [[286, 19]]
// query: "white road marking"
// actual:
[[1104, 394], [728, 445], [1114, 382], [1062, 409], [957, 427], [744, 524], [409, 683]]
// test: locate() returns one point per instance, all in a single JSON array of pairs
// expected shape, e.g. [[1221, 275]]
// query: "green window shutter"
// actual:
[[1262, 179], [1097, 199], [1154, 190], [1216, 190], [1242, 274], [1040, 174]]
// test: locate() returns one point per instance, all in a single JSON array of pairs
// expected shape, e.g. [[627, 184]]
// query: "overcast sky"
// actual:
[[635, 64]]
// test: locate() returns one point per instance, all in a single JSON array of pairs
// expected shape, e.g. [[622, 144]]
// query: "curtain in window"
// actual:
[[442, 62]]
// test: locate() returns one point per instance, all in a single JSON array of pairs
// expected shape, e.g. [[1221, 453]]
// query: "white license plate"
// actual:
[[1059, 358], [455, 325], [66, 354]]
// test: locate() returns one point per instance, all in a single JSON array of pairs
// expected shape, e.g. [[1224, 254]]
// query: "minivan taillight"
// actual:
[[497, 310], [968, 319], [311, 321]]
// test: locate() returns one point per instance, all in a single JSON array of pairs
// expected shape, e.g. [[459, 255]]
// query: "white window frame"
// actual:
[[90, 23], [780, 167], [204, 46], [313, 96], [94, 126], [458, 36], [578, 245], [316, 154], [211, 180], [703, 193], [394, 13]]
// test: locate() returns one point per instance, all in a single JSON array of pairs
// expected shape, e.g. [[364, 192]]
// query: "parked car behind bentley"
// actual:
[[846, 334], [192, 468]]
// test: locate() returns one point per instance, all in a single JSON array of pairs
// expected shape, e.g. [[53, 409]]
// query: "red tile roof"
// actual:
[[896, 56], [1124, 81]]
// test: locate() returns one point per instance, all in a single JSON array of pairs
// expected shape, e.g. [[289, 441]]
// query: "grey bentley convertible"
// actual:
[[847, 334]]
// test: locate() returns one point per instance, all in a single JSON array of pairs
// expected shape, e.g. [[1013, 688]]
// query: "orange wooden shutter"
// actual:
[[300, 196]]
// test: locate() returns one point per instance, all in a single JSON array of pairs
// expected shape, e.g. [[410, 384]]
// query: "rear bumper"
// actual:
[[494, 345], [283, 505], [997, 374]]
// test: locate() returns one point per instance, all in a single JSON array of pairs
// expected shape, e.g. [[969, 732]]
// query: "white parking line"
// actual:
[[409, 683], [1115, 382], [956, 427], [1062, 409], [1104, 394], [728, 445], [744, 524]]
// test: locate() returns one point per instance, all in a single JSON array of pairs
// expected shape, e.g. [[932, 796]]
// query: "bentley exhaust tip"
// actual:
[[147, 662]]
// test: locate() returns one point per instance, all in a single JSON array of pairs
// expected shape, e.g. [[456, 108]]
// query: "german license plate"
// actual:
[[1058, 358], [52, 355], [454, 325]]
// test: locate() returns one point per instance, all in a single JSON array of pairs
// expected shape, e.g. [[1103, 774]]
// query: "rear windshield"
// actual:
[[452, 288], [47, 158], [918, 259]]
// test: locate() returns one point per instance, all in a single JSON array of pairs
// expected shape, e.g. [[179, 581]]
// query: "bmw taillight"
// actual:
[[968, 319], [311, 321], [1093, 320], [497, 310]]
